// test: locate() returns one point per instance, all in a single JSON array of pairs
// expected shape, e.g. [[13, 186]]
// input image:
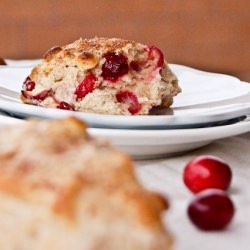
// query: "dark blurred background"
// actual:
[[208, 34]]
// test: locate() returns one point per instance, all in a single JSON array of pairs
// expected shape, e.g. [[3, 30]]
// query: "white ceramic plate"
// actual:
[[150, 144], [206, 99]]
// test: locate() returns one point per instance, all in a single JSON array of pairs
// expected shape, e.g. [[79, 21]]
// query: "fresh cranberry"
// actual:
[[28, 84], [130, 98], [211, 209], [207, 172], [155, 53], [65, 106], [85, 87], [115, 66]]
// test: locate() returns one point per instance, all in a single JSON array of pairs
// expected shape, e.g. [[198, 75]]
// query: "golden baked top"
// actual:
[[87, 53], [97, 45]]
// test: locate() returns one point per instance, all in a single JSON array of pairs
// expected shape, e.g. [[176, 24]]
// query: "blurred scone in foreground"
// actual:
[[60, 189], [102, 75]]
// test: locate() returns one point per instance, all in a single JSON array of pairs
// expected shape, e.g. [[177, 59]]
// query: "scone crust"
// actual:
[[57, 182]]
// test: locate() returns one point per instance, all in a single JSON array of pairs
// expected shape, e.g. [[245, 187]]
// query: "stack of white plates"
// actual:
[[210, 107]]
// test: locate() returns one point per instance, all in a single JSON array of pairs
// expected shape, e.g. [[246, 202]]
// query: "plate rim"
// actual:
[[155, 121], [153, 144], [134, 122], [176, 136]]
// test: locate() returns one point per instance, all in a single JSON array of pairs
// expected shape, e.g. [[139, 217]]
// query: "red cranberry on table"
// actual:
[[207, 172], [211, 209]]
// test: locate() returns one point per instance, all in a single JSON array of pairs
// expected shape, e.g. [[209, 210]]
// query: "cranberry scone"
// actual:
[[62, 189], [101, 75]]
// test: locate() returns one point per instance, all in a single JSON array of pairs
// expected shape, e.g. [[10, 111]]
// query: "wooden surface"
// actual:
[[209, 35]]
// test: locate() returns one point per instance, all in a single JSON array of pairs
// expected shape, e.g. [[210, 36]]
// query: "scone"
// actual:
[[101, 75], [60, 189]]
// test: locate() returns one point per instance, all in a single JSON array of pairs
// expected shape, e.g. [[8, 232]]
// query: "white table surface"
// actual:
[[165, 175]]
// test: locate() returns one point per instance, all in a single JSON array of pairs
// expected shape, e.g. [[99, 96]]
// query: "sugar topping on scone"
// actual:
[[101, 75], [62, 189]]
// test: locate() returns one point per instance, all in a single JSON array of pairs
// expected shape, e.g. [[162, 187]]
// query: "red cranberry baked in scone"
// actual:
[[101, 75], [61, 189]]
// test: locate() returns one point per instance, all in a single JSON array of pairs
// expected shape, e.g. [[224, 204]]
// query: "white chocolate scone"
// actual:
[[100, 75], [62, 189]]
